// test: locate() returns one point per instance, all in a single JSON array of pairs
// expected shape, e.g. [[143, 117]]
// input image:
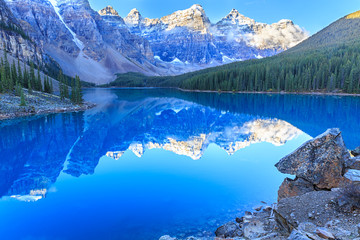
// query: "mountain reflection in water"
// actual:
[[36, 152]]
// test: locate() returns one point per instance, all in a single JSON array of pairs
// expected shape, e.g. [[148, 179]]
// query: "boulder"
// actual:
[[353, 163], [356, 152], [320, 161], [353, 175], [297, 235], [167, 237], [292, 188], [254, 229], [229, 230]]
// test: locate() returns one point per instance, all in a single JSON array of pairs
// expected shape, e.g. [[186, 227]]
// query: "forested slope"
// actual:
[[328, 61]]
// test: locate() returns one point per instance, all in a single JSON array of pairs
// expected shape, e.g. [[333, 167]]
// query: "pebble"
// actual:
[[324, 233]]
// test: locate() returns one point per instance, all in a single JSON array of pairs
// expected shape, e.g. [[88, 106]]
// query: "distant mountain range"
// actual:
[[328, 61], [97, 45]]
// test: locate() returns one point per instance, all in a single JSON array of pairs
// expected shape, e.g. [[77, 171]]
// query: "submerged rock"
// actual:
[[292, 188], [230, 229], [320, 161]]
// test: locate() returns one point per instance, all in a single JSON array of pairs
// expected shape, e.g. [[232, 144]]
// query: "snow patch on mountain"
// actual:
[[76, 40]]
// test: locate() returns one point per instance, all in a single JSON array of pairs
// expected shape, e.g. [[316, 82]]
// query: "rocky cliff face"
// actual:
[[81, 41], [97, 45], [188, 37], [14, 38]]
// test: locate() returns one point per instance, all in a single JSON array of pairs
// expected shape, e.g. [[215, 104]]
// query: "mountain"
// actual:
[[80, 40], [14, 38], [328, 61], [188, 37], [346, 30], [98, 45]]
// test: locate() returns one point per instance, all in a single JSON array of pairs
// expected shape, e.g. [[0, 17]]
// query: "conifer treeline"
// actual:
[[329, 69], [13, 78]]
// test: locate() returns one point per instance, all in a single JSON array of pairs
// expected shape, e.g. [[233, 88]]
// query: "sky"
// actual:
[[313, 15]]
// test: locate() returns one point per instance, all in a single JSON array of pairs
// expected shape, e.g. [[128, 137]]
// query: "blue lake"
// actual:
[[150, 162]]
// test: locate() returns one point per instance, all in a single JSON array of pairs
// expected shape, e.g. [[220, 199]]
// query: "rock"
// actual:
[[356, 151], [324, 233], [230, 229], [292, 188], [353, 175], [311, 215], [358, 228], [167, 237], [253, 229], [353, 163], [258, 208], [296, 235], [268, 208], [320, 161], [239, 220]]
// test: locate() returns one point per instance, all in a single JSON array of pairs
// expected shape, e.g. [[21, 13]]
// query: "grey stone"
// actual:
[[229, 230], [254, 229], [356, 151], [353, 163], [353, 175], [167, 237], [324, 233], [297, 235], [320, 161]]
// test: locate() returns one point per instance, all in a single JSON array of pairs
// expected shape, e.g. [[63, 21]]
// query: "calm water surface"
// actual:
[[145, 163]]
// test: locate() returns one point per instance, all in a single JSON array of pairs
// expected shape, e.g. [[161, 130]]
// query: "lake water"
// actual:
[[150, 162]]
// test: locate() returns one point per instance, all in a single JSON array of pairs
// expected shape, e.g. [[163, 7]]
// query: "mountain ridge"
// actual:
[[98, 45]]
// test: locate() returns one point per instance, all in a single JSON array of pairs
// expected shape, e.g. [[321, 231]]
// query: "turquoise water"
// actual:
[[150, 162]]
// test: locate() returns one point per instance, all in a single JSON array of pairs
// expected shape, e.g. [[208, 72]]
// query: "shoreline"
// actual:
[[239, 92], [77, 108], [37, 103], [321, 202]]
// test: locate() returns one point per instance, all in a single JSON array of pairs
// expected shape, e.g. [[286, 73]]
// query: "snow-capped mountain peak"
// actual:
[[235, 17], [108, 11], [134, 18]]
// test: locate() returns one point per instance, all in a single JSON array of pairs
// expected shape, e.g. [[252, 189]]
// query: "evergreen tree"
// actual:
[[29, 86], [4, 84], [38, 80], [73, 91], [19, 73], [22, 101], [79, 96], [32, 77], [51, 86]]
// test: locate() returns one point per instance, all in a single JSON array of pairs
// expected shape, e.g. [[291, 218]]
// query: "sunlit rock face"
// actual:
[[188, 37]]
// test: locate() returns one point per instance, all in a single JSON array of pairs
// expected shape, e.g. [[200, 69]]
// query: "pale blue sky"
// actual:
[[313, 15]]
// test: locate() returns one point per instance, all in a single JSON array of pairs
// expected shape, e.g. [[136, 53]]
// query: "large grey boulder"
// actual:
[[229, 230], [320, 161]]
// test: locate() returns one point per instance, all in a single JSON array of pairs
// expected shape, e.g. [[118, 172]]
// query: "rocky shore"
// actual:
[[321, 202], [36, 103]]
